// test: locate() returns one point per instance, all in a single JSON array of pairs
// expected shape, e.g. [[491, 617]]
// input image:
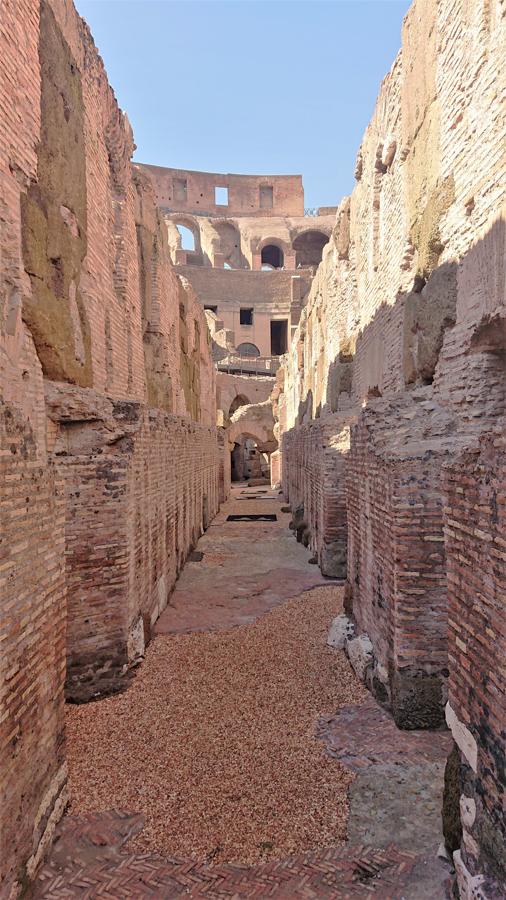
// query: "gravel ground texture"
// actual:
[[213, 743]]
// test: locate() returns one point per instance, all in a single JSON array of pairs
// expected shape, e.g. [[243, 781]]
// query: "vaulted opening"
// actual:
[[309, 248], [272, 255]]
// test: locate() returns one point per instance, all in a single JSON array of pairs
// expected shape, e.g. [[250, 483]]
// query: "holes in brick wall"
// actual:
[[180, 189]]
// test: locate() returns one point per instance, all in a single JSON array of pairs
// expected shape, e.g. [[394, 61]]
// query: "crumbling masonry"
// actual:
[[385, 423]]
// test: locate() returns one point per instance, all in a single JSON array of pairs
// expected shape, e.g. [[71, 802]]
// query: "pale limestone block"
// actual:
[[341, 630], [467, 811], [462, 737], [360, 654], [470, 886]]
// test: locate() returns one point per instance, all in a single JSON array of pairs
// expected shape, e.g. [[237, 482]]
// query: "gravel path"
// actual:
[[213, 743]]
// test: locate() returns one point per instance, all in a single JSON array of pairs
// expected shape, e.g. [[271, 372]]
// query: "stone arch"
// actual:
[[256, 421], [176, 239], [308, 246]]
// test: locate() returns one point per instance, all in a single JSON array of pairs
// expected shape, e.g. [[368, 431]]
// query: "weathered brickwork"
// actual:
[[314, 484], [141, 486], [109, 451], [404, 335]]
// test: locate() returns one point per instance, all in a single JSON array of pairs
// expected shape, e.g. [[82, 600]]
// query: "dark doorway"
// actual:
[[309, 248], [279, 337], [272, 256]]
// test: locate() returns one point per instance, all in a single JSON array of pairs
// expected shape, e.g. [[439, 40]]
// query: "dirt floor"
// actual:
[[214, 742], [245, 759]]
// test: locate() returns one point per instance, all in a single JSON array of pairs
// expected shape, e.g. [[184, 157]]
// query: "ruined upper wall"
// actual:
[[87, 270], [182, 190], [414, 248]]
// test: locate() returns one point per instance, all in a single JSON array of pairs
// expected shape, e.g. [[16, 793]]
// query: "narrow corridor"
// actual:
[[224, 763]]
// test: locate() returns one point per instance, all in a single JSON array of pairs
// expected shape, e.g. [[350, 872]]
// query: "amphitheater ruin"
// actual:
[[253, 492]]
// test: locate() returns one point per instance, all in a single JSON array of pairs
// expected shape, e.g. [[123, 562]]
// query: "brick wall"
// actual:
[[313, 482], [243, 192], [475, 522], [404, 333], [141, 486], [109, 453]]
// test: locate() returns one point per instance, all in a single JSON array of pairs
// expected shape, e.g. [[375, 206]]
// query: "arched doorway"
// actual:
[[187, 237], [309, 248], [248, 461], [273, 256]]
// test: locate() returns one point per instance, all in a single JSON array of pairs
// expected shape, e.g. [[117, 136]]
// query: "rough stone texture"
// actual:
[[140, 486], [247, 568], [402, 340], [404, 335], [452, 825]]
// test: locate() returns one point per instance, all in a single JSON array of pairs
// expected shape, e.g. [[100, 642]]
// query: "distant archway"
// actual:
[[272, 255], [186, 233], [309, 248], [248, 350], [187, 238]]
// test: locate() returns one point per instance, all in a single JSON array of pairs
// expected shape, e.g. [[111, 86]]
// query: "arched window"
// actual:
[[248, 350], [187, 237], [272, 256], [309, 248]]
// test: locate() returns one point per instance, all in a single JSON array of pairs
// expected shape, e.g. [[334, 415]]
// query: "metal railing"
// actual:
[[249, 365]]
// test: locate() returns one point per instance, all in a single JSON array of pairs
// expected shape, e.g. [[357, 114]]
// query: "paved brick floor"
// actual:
[[89, 862]]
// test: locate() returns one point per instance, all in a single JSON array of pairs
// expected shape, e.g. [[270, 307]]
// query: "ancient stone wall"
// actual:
[[109, 456], [404, 334], [181, 189]]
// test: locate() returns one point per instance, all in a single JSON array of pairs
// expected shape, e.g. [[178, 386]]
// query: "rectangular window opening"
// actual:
[[221, 196], [246, 317], [266, 196], [279, 337]]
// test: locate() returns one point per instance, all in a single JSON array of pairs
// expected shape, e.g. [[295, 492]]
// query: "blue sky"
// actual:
[[249, 86]]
